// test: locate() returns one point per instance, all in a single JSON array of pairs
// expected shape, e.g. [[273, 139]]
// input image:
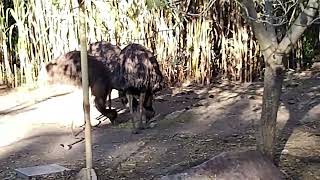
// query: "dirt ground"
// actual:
[[194, 124]]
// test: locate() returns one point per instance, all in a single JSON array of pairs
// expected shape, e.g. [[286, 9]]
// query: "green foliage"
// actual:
[[309, 40], [134, 11], [156, 4], [10, 28]]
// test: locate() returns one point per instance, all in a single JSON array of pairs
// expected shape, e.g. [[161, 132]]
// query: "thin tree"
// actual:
[[274, 51]]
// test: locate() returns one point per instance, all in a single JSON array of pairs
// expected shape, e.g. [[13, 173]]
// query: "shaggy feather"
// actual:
[[66, 69], [140, 76], [140, 69]]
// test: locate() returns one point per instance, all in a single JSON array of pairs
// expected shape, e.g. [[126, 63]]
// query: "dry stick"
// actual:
[[69, 146], [82, 126], [72, 131]]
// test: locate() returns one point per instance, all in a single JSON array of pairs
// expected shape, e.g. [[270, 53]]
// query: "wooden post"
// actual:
[[88, 173]]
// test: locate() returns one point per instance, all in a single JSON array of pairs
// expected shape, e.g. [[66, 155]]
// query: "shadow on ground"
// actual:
[[298, 140], [197, 124]]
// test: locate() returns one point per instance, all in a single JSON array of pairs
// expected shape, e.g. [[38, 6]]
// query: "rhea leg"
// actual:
[[100, 106], [148, 106], [99, 92], [109, 100], [141, 109], [130, 100]]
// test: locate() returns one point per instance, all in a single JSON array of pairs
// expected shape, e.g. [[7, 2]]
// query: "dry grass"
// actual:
[[202, 43]]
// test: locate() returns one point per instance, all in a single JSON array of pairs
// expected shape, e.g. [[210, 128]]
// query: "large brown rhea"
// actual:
[[66, 69], [109, 56], [140, 76]]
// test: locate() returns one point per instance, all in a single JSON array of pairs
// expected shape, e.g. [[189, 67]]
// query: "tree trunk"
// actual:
[[273, 54], [273, 78]]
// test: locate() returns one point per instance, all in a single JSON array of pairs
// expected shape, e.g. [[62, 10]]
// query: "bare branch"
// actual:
[[260, 32], [268, 18], [304, 19], [292, 15], [270, 28], [174, 7], [314, 21]]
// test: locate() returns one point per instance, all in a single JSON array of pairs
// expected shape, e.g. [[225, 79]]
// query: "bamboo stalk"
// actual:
[[15, 75], [251, 59], [1, 75], [47, 29]]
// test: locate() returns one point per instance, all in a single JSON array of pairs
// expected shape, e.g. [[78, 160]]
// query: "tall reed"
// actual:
[[196, 40]]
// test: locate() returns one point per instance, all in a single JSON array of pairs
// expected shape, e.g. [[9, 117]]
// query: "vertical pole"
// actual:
[[85, 88]]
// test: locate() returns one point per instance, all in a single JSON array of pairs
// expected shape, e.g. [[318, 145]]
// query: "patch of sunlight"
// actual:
[[313, 115], [114, 94], [315, 88], [303, 144], [248, 111], [176, 117], [311, 171], [226, 95], [62, 110], [283, 116], [202, 91], [125, 150], [12, 131]]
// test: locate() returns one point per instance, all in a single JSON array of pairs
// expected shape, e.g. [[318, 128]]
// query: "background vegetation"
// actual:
[[199, 40]]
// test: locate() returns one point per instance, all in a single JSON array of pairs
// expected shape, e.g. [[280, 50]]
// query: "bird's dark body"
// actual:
[[140, 78], [140, 69], [66, 69], [133, 71]]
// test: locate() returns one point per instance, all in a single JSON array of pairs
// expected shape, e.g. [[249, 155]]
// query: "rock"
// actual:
[[316, 66], [256, 108], [152, 125], [302, 74], [66, 147], [190, 92], [313, 115], [292, 84], [183, 136], [251, 97], [174, 115], [291, 101], [232, 165], [235, 135], [207, 140], [211, 96], [285, 151], [225, 140], [197, 105], [161, 99], [181, 93]]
